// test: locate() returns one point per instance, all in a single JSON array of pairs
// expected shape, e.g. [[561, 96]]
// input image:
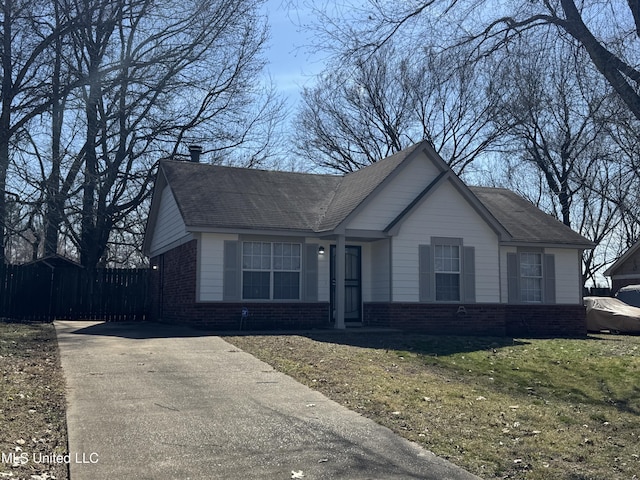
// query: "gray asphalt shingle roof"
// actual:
[[523, 220], [210, 196], [228, 197]]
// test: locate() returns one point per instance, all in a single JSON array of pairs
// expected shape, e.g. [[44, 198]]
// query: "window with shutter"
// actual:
[[446, 271], [531, 277]]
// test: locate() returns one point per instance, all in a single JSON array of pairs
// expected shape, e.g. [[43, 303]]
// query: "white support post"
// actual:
[[339, 292]]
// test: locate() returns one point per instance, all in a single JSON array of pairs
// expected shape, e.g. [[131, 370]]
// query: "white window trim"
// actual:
[[539, 278], [272, 270], [457, 272]]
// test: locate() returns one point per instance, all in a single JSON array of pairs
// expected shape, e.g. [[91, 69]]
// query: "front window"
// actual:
[[271, 270], [447, 270], [531, 277]]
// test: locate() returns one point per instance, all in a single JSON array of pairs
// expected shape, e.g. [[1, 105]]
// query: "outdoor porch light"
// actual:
[[321, 250]]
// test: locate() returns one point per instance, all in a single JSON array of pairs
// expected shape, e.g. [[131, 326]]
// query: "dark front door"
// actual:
[[352, 283]]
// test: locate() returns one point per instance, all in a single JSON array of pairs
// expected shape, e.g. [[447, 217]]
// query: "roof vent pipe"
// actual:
[[195, 151]]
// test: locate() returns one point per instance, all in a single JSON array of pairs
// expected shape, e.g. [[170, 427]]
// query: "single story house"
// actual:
[[401, 243], [626, 270]]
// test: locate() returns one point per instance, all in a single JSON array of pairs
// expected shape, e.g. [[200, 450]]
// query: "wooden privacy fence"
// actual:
[[597, 292], [41, 293]]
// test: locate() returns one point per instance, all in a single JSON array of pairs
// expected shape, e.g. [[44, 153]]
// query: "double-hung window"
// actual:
[[531, 277], [447, 272], [271, 270]]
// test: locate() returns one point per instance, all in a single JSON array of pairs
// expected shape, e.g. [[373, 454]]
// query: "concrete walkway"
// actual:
[[149, 401]]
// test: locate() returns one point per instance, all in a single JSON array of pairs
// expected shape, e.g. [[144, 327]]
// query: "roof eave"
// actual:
[[159, 185], [274, 232], [548, 244]]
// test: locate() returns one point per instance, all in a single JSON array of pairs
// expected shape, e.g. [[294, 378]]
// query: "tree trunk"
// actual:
[[54, 206], [87, 236], [565, 205], [5, 122]]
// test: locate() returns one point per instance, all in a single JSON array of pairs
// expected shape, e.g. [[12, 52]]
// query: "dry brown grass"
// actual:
[[501, 408], [32, 403]]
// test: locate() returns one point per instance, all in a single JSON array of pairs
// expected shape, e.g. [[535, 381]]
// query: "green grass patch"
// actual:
[[32, 403], [501, 408]]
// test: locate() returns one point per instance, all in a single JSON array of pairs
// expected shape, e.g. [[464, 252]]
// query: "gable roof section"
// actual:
[[356, 187], [623, 258], [447, 175], [525, 222]]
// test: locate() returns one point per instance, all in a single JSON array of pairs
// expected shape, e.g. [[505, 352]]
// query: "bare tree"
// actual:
[[569, 117], [552, 118], [25, 52], [363, 111], [353, 117], [154, 73], [557, 121], [623, 133], [608, 31], [54, 199], [106, 88]]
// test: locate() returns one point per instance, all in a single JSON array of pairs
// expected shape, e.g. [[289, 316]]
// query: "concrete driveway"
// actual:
[[149, 401]]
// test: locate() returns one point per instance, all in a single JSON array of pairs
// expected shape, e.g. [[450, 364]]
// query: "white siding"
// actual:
[[380, 271], [170, 228], [323, 268], [366, 270], [445, 213], [504, 282], [396, 196], [211, 255], [374, 274], [568, 275]]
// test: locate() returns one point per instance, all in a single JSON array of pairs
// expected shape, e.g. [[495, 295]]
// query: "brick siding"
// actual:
[[436, 318], [546, 321], [480, 319]]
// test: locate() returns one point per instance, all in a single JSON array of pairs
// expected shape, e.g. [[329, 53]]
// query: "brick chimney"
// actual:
[[195, 151]]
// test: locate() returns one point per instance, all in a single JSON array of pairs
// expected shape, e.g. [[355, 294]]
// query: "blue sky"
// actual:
[[291, 65]]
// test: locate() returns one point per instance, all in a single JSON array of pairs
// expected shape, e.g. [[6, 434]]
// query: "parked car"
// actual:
[[629, 295], [612, 314]]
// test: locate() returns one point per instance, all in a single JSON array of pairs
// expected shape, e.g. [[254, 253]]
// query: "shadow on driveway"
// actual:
[[137, 330]]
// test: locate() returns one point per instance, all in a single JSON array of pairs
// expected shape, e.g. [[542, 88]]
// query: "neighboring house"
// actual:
[[401, 243], [626, 270]]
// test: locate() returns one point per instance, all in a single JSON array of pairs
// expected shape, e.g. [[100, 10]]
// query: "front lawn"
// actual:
[[500, 408]]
